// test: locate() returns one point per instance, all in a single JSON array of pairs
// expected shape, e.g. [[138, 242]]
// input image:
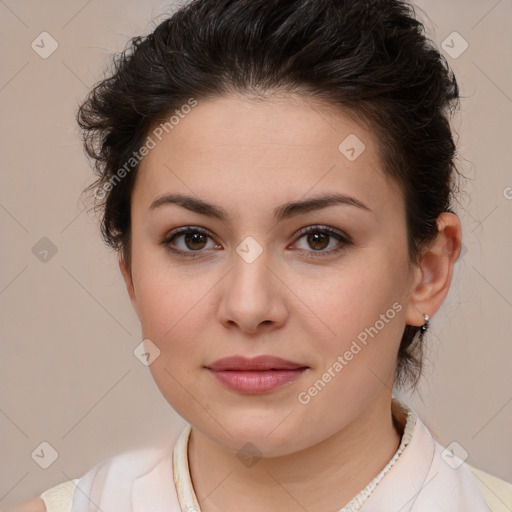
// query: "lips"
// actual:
[[257, 375], [260, 363]]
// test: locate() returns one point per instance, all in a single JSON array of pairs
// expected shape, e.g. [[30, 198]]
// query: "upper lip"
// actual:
[[256, 363]]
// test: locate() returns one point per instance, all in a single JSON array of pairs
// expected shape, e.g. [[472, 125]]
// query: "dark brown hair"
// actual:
[[369, 57]]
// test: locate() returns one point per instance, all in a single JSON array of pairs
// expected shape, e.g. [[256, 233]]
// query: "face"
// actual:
[[324, 285]]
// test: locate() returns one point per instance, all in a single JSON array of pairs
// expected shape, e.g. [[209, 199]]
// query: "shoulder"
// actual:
[[112, 484], [56, 499], [459, 476], [33, 505], [436, 479], [115, 474], [497, 492]]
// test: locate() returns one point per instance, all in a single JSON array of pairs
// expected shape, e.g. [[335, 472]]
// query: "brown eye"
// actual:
[[187, 241], [318, 240], [195, 240]]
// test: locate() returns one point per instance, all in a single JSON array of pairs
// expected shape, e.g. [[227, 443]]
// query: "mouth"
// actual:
[[257, 375], [260, 363]]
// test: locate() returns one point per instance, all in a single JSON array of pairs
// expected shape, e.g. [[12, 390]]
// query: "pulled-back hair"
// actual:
[[369, 57]]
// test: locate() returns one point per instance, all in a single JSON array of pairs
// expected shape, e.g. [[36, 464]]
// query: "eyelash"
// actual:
[[343, 239]]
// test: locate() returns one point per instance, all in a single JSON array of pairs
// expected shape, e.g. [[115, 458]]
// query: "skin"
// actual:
[[249, 157]]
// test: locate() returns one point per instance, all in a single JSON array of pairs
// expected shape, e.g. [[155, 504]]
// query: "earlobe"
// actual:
[[435, 270]]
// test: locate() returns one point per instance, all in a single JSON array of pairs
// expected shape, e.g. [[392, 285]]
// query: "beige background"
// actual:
[[67, 372]]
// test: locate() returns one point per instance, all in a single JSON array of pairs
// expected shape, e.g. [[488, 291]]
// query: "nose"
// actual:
[[253, 296]]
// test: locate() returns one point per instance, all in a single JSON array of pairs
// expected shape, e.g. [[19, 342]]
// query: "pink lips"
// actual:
[[257, 375]]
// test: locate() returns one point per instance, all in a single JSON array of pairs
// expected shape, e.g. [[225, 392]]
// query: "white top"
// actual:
[[422, 476]]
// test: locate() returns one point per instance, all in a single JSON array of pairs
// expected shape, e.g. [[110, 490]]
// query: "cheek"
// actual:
[[350, 299], [362, 322], [173, 317], [168, 300]]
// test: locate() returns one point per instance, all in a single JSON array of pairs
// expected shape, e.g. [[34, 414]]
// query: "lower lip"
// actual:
[[253, 382]]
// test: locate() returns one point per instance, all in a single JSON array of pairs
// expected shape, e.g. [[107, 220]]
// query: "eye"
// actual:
[[320, 237], [193, 239]]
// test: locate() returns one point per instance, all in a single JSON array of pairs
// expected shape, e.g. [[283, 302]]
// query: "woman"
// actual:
[[277, 177]]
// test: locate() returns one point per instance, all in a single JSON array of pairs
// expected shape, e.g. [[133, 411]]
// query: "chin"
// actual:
[[268, 436]]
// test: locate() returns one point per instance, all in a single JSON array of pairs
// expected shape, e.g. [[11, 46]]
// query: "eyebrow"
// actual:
[[285, 211]]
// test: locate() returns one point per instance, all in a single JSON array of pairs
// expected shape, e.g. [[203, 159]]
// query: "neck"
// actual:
[[323, 477]]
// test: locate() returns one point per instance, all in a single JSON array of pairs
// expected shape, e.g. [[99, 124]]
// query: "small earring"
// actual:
[[424, 327]]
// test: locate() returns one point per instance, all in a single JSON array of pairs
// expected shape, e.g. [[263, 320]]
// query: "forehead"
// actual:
[[259, 151]]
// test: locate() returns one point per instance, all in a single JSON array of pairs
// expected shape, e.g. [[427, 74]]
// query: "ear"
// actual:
[[127, 276], [433, 275]]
